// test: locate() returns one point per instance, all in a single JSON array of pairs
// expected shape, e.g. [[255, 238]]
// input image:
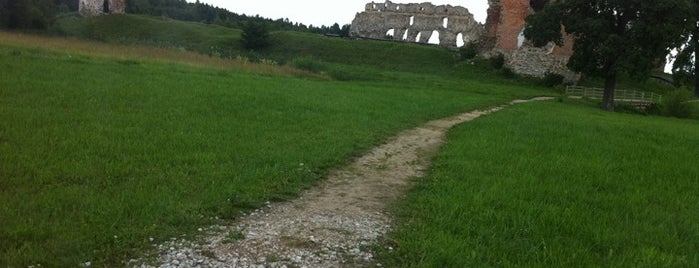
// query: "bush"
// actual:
[[255, 36], [508, 73], [469, 51], [676, 104], [497, 61], [26, 14], [553, 79]]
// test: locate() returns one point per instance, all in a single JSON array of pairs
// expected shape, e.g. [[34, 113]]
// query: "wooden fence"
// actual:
[[632, 96]]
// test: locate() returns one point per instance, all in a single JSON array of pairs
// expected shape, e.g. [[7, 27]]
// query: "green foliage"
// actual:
[[336, 30], [469, 51], [497, 61], [532, 186], [26, 14], [545, 26], [686, 66], [255, 36], [676, 104], [613, 37], [508, 73], [552, 79]]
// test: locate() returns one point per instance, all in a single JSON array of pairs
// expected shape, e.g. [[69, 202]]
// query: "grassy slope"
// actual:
[[555, 185], [162, 32], [368, 60], [99, 154]]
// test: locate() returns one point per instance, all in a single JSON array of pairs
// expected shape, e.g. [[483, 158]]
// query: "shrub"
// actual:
[[508, 73], [497, 61], [676, 104], [553, 79], [469, 51], [255, 35]]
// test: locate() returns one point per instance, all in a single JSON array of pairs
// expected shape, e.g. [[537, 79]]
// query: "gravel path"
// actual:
[[331, 225]]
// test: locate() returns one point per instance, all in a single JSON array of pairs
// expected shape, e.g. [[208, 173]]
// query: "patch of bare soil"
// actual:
[[331, 225]]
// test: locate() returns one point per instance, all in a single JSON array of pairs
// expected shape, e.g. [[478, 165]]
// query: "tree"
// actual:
[[255, 35], [612, 37], [345, 31], [26, 14], [686, 66]]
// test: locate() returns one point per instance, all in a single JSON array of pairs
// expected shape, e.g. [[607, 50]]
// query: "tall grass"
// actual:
[[140, 53], [555, 185]]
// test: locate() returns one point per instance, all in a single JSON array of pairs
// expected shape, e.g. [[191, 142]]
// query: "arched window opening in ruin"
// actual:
[[460, 40], [422, 9], [434, 38], [419, 36], [397, 7], [373, 6], [538, 5], [445, 23], [105, 6], [390, 33], [405, 35], [412, 20]]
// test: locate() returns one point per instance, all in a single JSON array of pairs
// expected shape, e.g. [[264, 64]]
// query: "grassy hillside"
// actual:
[[99, 154], [143, 30], [377, 60], [556, 185]]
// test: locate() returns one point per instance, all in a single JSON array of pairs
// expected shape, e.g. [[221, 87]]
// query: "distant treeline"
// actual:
[[201, 12], [28, 14], [39, 14]]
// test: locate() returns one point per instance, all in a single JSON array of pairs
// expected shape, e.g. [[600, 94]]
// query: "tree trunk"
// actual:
[[695, 36], [608, 98]]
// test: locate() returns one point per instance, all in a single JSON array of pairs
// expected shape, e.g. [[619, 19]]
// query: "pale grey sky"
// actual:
[[323, 12]]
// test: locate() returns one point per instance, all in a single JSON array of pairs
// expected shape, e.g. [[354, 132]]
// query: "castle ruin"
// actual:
[[91, 8], [416, 23], [503, 32]]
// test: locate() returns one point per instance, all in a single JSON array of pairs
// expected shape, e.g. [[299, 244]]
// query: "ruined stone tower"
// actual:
[[504, 33], [101, 7]]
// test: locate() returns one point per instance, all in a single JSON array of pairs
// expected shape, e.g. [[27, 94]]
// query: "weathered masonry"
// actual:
[[101, 7], [416, 23], [503, 32]]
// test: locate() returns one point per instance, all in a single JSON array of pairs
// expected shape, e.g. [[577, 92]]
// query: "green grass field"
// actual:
[[556, 185], [100, 154], [105, 145]]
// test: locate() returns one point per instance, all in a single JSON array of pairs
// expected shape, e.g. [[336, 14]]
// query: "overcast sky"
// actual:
[[323, 12]]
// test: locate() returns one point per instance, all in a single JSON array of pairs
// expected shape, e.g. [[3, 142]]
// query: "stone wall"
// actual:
[[101, 7], [537, 62], [504, 33], [416, 23]]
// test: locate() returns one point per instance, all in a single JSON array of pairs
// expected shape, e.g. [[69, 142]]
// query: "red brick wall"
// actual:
[[512, 16]]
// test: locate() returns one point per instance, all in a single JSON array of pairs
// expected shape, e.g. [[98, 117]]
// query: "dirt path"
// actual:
[[331, 225]]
